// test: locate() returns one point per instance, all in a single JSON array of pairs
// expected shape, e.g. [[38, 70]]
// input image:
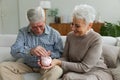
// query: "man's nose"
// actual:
[[38, 29]]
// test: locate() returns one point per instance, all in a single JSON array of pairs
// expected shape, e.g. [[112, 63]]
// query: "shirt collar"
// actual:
[[28, 29], [46, 29]]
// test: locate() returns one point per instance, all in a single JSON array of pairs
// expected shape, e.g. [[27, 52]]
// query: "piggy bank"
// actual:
[[46, 60]]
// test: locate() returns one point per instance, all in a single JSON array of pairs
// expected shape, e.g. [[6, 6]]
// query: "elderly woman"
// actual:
[[82, 59]]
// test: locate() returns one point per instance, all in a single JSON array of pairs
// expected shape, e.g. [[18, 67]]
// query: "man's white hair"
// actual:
[[36, 15], [85, 12]]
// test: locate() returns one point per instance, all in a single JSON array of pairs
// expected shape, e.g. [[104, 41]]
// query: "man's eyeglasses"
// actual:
[[75, 25], [36, 27]]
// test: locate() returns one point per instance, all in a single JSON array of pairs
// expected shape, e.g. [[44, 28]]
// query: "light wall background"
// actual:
[[108, 10], [24, 5]]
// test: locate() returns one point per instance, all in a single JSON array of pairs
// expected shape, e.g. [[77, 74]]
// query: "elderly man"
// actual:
[[33, 41]]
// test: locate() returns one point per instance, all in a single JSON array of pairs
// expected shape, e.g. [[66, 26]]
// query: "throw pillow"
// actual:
[[116, 73], [110, 54], [118, 41], [5, 54]]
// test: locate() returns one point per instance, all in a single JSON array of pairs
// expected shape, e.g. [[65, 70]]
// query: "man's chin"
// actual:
[[38, 33]]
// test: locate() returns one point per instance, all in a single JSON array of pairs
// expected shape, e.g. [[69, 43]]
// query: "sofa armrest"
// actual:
[[5, 54]]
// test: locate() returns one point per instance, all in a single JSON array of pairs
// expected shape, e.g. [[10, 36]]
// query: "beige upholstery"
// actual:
[[110, 54]]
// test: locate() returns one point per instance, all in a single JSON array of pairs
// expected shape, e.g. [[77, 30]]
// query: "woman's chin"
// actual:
[[76, 33]]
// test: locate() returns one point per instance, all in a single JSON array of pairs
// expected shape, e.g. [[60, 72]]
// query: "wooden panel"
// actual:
[[64, 28], [97, 26]]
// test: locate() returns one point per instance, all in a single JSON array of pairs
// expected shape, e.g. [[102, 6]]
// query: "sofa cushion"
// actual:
[[116, 73], [7, 40], [109, 40], [5, 54], [110, 54], [63, 39]]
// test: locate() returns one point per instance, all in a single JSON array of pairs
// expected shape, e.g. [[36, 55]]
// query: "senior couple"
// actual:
[[81, 58]]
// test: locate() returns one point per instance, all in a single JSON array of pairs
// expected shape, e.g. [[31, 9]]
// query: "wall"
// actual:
[[24, 5], [0, 17], [0, 20], [9, 23], [107, 9]]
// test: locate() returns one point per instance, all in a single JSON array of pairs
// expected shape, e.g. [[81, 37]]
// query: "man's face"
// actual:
[[37, 28], [79, 27]]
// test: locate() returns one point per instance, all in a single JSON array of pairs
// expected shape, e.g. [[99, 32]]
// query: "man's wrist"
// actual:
[[31, 52]]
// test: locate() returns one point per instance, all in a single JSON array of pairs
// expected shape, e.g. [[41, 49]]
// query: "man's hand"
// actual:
[[39, 51]]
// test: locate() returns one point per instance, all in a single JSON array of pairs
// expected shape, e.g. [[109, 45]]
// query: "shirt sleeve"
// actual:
[[18, 49], [58, 47], [90, 60]]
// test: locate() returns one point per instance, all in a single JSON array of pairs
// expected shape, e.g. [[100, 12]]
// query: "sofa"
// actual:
[[110, 52]]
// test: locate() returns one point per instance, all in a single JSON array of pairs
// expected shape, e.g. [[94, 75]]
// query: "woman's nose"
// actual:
[[73, 28]]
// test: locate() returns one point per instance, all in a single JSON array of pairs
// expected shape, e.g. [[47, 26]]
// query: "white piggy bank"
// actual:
[[46, 61]]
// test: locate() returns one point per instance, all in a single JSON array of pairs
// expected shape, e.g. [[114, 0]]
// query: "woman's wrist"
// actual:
[[59, 62]]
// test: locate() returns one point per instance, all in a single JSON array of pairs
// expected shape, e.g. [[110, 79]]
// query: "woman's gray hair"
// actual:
[[85, 12], [36, 15]]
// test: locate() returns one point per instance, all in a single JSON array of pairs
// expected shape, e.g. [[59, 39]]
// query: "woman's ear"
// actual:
[[90, 25]]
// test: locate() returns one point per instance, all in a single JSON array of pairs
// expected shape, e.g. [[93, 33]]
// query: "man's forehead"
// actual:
[[37, 23]]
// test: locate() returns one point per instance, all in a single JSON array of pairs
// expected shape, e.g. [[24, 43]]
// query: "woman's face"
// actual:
[[80, 27], [37, 28]]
